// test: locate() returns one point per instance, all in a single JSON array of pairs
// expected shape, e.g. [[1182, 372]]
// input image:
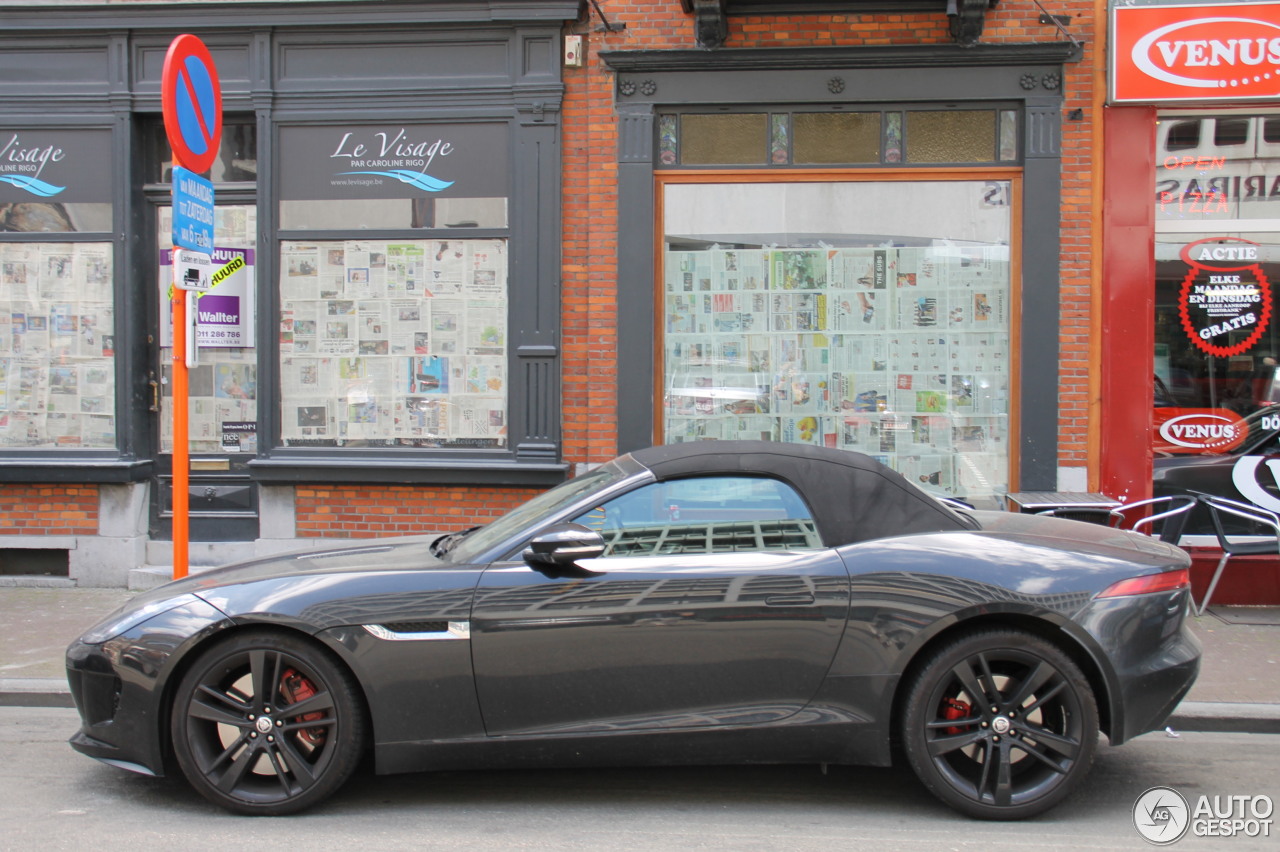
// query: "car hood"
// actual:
[[411, 553]]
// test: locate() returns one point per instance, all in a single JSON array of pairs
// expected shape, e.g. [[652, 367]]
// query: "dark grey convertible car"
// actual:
[[717, 602]]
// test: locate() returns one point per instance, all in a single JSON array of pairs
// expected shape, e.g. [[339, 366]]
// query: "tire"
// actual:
[[1021, 749], [267, 723]]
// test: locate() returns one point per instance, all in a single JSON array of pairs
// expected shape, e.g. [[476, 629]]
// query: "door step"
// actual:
[[201, 556]]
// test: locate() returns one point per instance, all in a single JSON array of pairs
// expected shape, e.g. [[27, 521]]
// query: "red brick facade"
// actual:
[[49, 510], [590, 219], [364, 511]]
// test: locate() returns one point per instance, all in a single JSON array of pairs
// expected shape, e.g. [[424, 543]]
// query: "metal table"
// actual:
[[1077, 505]]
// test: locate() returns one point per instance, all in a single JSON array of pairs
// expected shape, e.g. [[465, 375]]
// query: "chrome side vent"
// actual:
[[420, 631]]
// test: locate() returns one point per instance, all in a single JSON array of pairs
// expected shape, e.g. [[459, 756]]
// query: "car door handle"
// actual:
[[790, 600]]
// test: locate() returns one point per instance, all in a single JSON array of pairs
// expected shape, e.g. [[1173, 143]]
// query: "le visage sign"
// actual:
[[394, 160], [1225, 300], [1227, 52], [55, 165]]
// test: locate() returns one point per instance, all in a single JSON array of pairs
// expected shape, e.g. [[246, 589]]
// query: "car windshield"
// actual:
[[473, 546]]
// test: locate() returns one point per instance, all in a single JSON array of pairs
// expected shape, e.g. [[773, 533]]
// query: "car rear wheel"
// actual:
[[267, 723], [1000, 724]]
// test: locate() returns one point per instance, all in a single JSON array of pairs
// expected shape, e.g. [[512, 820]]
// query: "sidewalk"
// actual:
[[1238, 688]]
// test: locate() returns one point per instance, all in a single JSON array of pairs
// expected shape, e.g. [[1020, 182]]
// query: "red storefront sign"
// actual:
[[1195, 53], [1225, 300], [1198, 430]]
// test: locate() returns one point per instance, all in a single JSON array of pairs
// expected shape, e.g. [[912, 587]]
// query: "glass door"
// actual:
[[223, 386]]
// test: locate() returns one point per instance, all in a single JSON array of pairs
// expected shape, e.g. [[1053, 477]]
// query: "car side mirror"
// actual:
[[555, 553]]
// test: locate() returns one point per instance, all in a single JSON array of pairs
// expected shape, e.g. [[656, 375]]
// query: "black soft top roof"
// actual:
[[852, 496]]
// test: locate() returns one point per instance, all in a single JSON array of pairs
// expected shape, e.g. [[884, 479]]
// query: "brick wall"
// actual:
[[49, 510], [364, 511], [590, 221]]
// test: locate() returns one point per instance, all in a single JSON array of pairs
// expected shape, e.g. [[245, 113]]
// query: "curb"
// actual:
[[1225, 717], [35, 692], [1203, 716]]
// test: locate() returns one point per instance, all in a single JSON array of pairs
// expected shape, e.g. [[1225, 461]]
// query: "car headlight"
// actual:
[[130, 616]]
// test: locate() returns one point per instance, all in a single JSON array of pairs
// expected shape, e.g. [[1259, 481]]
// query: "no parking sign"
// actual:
[[191, 98]]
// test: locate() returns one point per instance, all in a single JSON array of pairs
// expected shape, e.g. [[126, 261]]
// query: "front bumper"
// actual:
[[119, 686]]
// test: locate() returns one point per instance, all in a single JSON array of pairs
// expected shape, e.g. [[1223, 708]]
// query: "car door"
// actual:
[[714, 604]]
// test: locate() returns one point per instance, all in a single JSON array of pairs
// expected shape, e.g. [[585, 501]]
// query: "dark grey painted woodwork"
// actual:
[[1041, 264], [635, 137], [637, 354], [534, 321], [898, 56]]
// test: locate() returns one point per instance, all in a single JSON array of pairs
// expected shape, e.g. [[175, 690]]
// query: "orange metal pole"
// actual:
[[181, 443]]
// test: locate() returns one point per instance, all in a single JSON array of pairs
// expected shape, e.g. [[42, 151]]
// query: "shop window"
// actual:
[[416, 213], [952, 136], [57, 346], [809, 138], [1217, 342], [33, 217], [824, 137], [388, 343], [57, 299], [869, 316], [1008, 135], [387, 339], [731, 139], [237, 160]]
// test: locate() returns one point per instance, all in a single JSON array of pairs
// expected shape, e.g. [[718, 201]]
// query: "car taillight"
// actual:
[[1168, 581]]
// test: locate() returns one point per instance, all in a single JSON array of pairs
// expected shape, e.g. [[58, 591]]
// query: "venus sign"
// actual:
[[1195, 51]]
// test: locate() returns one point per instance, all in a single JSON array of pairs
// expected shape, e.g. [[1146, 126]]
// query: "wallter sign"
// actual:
[[1229, 52]]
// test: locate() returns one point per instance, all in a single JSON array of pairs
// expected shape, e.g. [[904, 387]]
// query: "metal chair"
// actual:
[[1219, 506], [1172, 518]]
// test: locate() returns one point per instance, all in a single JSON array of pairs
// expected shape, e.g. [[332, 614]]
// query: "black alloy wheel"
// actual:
[[1000, 724], [267, 723]]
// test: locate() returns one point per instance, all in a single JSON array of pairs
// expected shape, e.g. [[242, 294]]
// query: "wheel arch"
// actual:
[[226, 633], [1059, 635]]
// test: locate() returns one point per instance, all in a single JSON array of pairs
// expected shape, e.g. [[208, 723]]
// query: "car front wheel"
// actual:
[[1000, 724], [267, 723]]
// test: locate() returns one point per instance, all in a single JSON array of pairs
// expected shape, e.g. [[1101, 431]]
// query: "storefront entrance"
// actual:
[[223, 386]]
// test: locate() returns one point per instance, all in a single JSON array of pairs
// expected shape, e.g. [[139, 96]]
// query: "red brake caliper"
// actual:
[[294, 687], [954, 709]]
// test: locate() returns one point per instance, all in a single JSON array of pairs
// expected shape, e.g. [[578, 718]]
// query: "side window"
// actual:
[[721, 514]]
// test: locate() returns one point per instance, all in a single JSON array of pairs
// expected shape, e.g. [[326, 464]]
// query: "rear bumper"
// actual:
[[1152, 657]]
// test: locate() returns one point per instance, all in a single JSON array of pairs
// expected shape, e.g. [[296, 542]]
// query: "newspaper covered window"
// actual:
[[869, 316], [394, 343], [57, 346]]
